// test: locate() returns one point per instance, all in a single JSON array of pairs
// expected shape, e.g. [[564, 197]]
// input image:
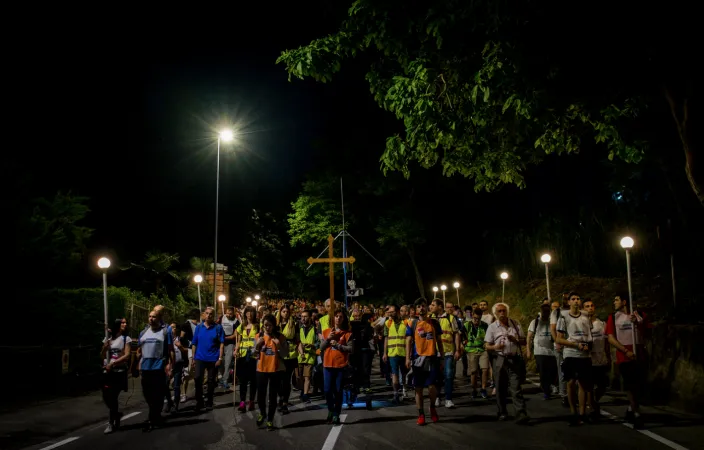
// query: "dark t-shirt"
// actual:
[[187, 329]]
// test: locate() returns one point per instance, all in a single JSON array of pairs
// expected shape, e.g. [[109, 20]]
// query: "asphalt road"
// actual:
[[471, 425]]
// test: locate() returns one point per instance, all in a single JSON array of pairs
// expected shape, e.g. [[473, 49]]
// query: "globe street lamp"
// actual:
[[104, 264], [456, 285], [225, 136], [199, 279], [435, 291], [546, 259], [504, 277], [254, 303], [221, 299], [443, 288], [249, 299], [627, 244]]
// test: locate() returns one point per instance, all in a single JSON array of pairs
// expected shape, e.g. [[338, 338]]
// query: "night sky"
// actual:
[[126, 111]]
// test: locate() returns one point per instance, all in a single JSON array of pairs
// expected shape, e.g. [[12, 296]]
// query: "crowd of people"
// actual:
[[286, 346]]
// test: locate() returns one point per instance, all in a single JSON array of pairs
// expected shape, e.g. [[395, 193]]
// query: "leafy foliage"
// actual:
[[159, 270], [483, 88], [316, 213]]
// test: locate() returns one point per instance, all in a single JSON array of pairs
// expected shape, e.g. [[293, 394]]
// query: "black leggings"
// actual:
[[272, 380], [547, 368], [153, 384], [112, 385], [247, 373], [285, 389]]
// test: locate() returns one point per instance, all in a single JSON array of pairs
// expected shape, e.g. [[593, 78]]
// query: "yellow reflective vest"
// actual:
[[396, 335], [308, 356], [289, 332], [247, 341], [448, 334]]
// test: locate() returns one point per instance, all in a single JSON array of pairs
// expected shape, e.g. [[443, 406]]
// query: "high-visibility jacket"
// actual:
[[396, 345], [308, 356], [289, 332], [247, 341], [324, 322], [475, 337], [448, 334]]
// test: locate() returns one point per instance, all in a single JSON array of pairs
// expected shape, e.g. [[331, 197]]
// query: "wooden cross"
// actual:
[[331, 260]]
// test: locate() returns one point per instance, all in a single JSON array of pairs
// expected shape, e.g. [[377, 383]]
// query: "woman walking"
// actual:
[[247, 358], [337, 344], [272, 348], [115, 353], [289, 329]]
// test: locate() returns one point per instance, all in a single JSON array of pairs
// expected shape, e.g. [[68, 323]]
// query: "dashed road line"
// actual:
[[75, 438], [60, 443]]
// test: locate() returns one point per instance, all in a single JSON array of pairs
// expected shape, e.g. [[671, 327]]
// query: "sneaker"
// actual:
[[251, 405], [335, 420], [437, 402], [226, 386], [183, 398], [555, 390], [502, 416], [484, 394], [270, 426], [474, 394], [167, 408], [434, 415], [449, 404], [242, 407], [108, 430], [329, 419], [260, 420], [421, 420], [284, 408], [403, 392], [522, 418], [546, 396], [304, 398]]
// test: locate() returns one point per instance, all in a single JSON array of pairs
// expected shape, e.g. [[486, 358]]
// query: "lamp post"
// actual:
[[443, 288], [546, 259], [104, 264], [199, 279], [435, 291], [627, 244], [248, 299], [221, 299], [254, 303], [504, 277], [456, 285], [225, 136]]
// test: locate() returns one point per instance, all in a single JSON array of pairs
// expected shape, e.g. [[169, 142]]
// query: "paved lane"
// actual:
[[471, 425]]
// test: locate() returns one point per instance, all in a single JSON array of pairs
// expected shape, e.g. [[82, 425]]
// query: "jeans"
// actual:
[[227, 362], [153, 384], [201, 367], [465, 366], [561, 378], [449, 374], [270, 381], [507, 381], [547, 366], [178, 377], [285, 389], [333, 389], [247, 373]]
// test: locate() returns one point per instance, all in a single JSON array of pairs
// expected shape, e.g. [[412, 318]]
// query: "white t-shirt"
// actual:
[[554, 316], [488, 318], [576, 329], [623, 329], [228, 326], [497, 334], [117, 348], [542, 340], [598, 349]]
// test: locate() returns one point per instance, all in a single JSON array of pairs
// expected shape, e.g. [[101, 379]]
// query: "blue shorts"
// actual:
[[424, 378], [398, 365]]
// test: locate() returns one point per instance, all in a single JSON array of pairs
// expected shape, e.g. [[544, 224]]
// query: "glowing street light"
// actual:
[[435, 291], [443, 288], [104, 264], [225, 135], [249, 299], [221, 299], [257, 297], [504, 277], [199, 279], [627, 244], [254, 303], [546, 259], [456, 285]]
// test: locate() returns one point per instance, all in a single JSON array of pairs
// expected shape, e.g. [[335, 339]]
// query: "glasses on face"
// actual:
[[500, 310]]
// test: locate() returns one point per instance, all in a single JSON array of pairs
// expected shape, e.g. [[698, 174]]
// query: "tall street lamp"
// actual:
[[254, 303], [627, 244], [249, 299], [221, 299], [546, 259], [199, 279], [504, 277], [456, 285], [435, 291], [443, 288], [104, 264], [225, 136]]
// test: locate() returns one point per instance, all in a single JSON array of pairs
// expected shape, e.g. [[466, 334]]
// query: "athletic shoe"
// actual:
[[242, 408], [421, 420], [329, 419], [484, 394], [251, 405], [108, 430], [437, 402], [284, 408], [335, 420], [434, 415], [270, 426], [449, 404], [260, 420], [183, 398]]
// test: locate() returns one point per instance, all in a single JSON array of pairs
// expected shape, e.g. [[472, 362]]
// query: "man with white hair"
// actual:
[[504, 337]]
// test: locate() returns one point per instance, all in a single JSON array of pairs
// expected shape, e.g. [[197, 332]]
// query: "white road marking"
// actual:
[[650, 434], [334, 434], [60, 443], [130, 415]]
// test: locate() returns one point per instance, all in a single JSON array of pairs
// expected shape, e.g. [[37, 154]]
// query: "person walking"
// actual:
[[247, 358], [337, 345], [116, 354], [289, 329], [272, 348], [156, 350], [208, 346], [541, 345]]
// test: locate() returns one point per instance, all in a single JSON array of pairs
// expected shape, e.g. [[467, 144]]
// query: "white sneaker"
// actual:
[[437, 402], [449, 404], [403, 392], [554, 390], [108, 430], [183, 398]]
